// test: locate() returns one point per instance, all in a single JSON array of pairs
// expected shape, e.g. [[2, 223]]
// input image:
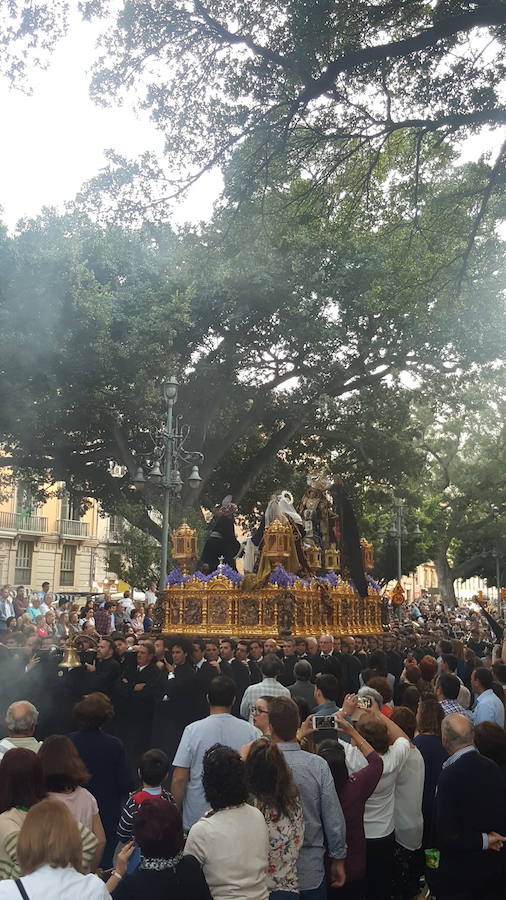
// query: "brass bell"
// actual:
[[71, 659]]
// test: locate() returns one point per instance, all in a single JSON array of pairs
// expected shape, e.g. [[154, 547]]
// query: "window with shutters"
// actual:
[[68, 565], [24, 552]]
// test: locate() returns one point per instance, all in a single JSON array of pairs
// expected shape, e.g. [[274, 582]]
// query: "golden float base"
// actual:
[[217, 607]]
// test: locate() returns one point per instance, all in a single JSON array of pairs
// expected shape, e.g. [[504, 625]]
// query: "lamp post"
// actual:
[[497, 556], [400, 533], [169, 454]]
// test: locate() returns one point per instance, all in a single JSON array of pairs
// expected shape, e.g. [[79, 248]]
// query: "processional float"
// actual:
[[226, 602]]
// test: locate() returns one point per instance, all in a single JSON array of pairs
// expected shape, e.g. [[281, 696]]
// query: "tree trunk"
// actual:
[[445, 579]]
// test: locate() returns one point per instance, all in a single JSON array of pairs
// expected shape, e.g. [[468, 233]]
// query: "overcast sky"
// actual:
[[54, 139]]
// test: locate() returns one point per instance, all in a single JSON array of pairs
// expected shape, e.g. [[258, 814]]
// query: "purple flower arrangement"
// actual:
[[281, 578], [230, 573], [332, 579], [175, 576]]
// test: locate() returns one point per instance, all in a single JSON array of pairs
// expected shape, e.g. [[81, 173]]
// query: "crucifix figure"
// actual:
[[221, 560]]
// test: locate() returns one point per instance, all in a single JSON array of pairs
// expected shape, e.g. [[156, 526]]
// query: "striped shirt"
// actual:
[[269, 687], [125, 825], [9, 866]]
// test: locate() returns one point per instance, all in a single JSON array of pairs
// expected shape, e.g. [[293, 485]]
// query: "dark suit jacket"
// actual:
[[352, 670], [332, 665], [239, 673], [395, 663], [184, 695], [255, 675], [470, 800], [105, 678], [287, 677]]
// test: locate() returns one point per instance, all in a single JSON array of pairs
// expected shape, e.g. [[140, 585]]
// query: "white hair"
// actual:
[[26, 722]]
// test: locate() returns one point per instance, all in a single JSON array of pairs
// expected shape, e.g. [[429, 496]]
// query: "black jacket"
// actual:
[[470, 800], [287, 677], [239, 673], [106, 677], [182, 883], [331, 665]]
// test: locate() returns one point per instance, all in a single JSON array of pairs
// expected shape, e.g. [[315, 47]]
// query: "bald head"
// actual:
[[21, 719], [457, 732]]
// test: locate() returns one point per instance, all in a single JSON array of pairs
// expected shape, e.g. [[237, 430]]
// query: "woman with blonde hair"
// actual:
[[49, 854]]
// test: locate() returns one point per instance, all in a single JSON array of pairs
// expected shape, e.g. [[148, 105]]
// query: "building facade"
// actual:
[[52, 541]]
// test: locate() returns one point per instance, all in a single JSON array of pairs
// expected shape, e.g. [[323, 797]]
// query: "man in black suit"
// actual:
[[104, 673], [352, 665], [179, 698], [235, 669], [394, 660], [138, 695], [288, 659], [243, 655], [327, 660], [126, 658], [469, 819], [205, 670]]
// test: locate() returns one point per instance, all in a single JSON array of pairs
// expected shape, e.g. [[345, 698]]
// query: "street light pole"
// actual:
[[169, 453], [399, 532], [166, 497], [398, 507]]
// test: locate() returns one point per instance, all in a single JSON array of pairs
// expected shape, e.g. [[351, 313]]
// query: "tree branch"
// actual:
[[235, 37], [467, 568], [483, 17]]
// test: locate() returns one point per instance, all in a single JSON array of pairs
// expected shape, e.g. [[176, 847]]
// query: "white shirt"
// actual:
[[232, 846], [57, 884], [408, 801], [150, 597], [379, 818], [220, 728]]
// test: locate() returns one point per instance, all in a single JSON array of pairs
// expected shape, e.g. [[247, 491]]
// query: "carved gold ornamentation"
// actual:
[[277, 546], [332, 559], [184, 546], [367, 554], [217, 607], [314, 557]]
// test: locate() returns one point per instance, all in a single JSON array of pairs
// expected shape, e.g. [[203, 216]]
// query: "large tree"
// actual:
[[302, 89], [464, 488], [299, 339]]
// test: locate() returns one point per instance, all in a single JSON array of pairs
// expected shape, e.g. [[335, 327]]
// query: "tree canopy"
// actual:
[[283, 90], [299, 339]]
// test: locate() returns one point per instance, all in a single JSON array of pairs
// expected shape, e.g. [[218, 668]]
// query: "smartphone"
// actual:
[[364, 703], [325, 722]]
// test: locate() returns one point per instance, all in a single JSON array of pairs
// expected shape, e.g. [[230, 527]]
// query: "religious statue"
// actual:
[[221, 541], [321, 523], [280, 508]]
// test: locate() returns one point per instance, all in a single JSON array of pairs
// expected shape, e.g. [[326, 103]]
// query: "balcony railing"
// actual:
[[72, 528], [19, 522]]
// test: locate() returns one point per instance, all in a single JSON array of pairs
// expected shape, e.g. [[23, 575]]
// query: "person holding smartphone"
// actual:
[[353, 794]]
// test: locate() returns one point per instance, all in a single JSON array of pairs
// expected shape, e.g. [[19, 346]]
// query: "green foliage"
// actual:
[[300, 339], [140, 558]]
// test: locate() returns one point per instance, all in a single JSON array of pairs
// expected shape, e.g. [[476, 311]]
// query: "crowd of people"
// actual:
[[364, 767]]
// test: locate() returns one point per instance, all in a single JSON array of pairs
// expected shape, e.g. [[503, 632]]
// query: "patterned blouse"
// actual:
[[285, 840]]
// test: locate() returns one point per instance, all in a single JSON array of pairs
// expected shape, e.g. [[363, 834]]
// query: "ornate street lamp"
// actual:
[[169, 455]]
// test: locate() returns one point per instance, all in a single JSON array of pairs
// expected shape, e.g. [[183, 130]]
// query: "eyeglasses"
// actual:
[[256, 709]]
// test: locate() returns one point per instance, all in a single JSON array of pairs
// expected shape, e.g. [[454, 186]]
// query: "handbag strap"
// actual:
[[21, 889]]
